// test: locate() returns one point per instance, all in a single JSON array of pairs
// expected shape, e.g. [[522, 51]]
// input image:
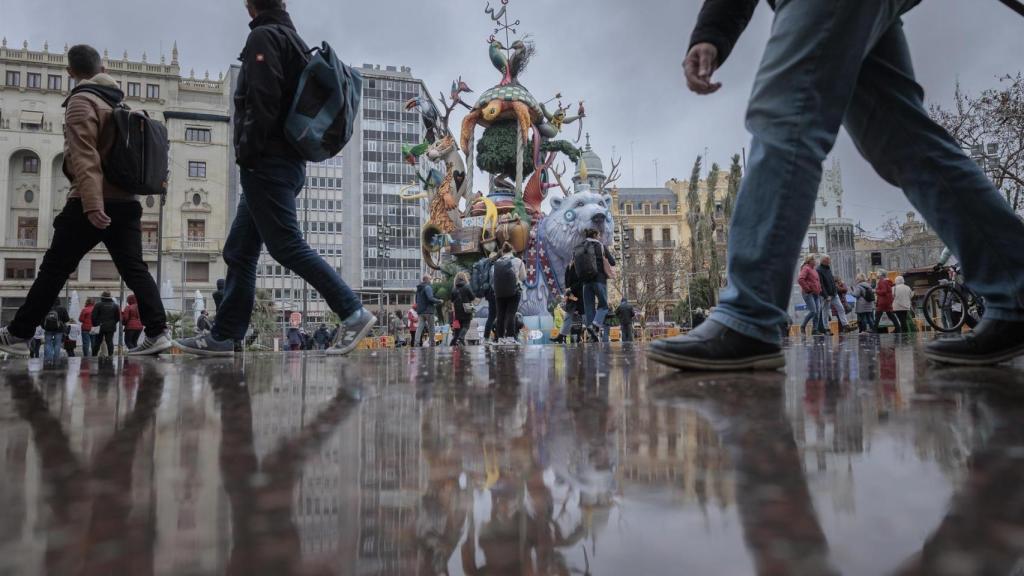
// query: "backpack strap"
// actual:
[[296, 41]]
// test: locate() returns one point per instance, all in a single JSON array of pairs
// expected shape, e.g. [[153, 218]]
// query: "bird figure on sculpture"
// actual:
[[499, 58], [459, 87], [431, 117]]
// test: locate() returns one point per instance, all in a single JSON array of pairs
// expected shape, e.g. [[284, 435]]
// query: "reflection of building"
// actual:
[[33, 187]]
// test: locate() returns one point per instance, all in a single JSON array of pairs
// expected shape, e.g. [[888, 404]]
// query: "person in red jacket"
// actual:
[[132, 322], [85, 319], [810, 288], [883, 302]]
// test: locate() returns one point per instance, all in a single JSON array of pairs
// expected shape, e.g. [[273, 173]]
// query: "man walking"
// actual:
[[96, 211], [54, 324], [106, 316], [830, 296], [810, 289], [827, 64], [626, 314], [272, 175], [426, 307], [589, 259]]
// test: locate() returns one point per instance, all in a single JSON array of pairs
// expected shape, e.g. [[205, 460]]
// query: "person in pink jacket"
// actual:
[[810, 288]]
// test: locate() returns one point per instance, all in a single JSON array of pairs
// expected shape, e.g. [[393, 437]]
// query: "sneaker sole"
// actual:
[[204, 353], [765, 362], [153, 351], [355, 343], [989, 360]]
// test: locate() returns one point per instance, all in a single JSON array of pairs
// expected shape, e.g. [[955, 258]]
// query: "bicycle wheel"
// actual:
[[944, 308]]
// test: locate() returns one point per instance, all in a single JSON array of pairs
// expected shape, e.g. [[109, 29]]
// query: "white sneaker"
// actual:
[[152, 346], [13, 345]]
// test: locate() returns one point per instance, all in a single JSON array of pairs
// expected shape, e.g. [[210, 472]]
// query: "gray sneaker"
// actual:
[[152, 346], [352, 331], [206, 345], [13, 345]]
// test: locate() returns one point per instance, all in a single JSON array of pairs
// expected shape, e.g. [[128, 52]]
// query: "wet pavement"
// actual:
[[859, 459]]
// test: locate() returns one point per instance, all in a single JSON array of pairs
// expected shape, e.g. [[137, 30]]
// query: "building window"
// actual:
[[27, 231], [197, 199], [648, 235], [30, 165], [196, 169], [13, 78], [202, 135], [197, 230], [153, 91], [19, 269], [150, 202], [103, 270], [30, 196], [53, 82], [134, 89], [666, 236], [197, 271], [666, 209], [647, 209], [629, 209], [812, 243], [34, 80], [150, 235]]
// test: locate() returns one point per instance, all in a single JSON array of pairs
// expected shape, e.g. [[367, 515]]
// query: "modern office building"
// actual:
[[351, 207], [33, 188]]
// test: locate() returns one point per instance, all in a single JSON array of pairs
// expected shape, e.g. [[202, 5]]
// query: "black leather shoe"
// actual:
[[712, 346], [993, 342]]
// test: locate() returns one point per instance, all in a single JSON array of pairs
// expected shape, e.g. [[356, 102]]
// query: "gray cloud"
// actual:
[[623, 58]]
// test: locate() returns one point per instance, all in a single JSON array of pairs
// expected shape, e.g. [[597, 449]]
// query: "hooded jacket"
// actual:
[[85, 317], [130, 315], [426, 303], [461, 296], [883, 295], [267, 84], [810, 282], [88, 137]]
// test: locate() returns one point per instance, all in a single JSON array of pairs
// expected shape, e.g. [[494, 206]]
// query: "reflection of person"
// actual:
[[827, 65]]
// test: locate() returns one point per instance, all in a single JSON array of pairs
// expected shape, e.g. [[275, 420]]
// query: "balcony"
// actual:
[[656, 243], [23, 242], [150, 246], [195, 245]]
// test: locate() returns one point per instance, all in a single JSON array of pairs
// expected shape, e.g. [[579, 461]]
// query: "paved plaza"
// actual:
[[859, 459]]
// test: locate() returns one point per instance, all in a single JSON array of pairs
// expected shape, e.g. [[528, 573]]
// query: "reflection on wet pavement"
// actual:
[[859, 459]]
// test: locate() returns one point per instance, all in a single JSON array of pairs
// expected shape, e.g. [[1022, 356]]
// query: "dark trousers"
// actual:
[[460, 334], [131, 338], [101, 338], [865, 321], [904, 317], [892, 318], [627, 332], [492, 315], [73, 238], [506, 321], [267, 215]]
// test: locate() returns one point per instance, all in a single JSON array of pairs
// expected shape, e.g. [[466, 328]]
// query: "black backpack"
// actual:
[[869, 293], [480, 282], [323, 115], [584, 258], [506, 283], [52, 322], [138, 160]]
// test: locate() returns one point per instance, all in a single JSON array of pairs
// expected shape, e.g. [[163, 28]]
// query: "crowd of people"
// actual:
[[874, 296]]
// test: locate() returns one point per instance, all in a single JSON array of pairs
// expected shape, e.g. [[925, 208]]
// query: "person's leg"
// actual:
[[895, 321], [86, 344], [492, 316], [123, 240], [58, 345], [803, 87], [889, 124], [588, 303], [48, 346], [241, 254], [73, 238], [809, 303], [270, 193], [601, 293]]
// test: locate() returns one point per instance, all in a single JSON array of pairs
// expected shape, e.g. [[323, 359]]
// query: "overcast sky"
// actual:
[[623, 58]]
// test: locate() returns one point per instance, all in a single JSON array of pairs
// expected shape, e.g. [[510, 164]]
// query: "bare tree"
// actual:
[[613, 175], [654, 276], [991, 126]]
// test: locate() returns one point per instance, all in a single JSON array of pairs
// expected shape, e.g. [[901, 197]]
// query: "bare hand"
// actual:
[[699, 66], [99, 219]]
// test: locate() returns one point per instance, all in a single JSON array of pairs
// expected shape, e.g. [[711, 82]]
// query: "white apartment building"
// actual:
[[33, 189]]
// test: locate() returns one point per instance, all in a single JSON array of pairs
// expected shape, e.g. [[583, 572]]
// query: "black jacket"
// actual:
[[106, 315], [267, 83], [601, 276], [828, 281], [460, 296], [426, 303], [573, 283], [625, 313], [218, 296]]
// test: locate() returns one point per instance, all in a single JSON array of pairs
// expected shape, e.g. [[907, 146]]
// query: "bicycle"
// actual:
[[951, 304]]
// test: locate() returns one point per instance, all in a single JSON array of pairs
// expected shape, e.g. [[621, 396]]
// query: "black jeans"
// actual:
[[266, 215], [131, 338], [73, 238], [492, 315], [102, 337], [506, 322], [892, 318]]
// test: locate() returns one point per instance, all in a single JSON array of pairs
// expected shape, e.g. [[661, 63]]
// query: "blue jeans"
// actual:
[[813, 302], [598, 291], [846, 62], [86, 344], [267, 215], [54, 343], [833, 304]]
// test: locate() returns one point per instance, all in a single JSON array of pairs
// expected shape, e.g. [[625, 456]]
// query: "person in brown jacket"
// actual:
[[96, 211]]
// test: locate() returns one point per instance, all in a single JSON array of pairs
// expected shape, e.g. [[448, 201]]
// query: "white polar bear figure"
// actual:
[[552, 242]]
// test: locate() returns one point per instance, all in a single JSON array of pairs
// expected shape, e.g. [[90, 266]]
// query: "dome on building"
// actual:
[[595, 168]]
